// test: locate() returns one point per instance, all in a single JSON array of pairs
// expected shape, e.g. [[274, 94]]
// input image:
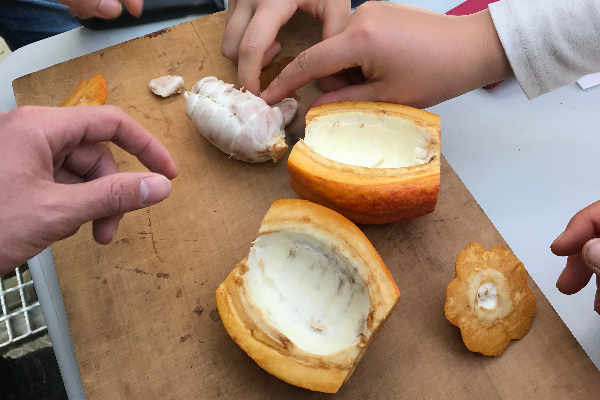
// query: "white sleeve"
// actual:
[[549, 43]]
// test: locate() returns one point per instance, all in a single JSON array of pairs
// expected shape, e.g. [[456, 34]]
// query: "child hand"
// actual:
[[404, 55], [252, 26], [581, 244]]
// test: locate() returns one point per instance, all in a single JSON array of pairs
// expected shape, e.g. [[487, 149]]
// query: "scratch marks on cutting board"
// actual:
[[146, 115], [142, 272], [203, 45], [152, 238], [136, 270], [164, 119]]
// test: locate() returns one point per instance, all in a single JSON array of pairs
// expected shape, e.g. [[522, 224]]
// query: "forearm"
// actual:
[[549, 43]]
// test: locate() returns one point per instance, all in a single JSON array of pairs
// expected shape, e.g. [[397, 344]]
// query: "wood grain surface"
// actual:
[[142, 309]]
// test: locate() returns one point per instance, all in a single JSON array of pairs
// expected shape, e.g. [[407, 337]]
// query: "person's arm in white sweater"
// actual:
[[549, 43]]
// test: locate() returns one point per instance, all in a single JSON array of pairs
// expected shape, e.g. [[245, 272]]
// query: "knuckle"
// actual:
[[228, 52], [117, 111], [22, 113], [102, 162], [303, 62], [364, 32], [366, 7], [54, 217], [118, 196], [145, 148], [580, 220], [264, 4], [111, 114], [104, 152], [249, 46], [582, 215], [271, 4], [593, 210]]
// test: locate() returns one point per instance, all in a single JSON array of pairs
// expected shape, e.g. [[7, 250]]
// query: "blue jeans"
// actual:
[[27, 21]]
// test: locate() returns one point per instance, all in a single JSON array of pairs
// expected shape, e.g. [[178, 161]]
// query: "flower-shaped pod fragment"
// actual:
[[489, 299]]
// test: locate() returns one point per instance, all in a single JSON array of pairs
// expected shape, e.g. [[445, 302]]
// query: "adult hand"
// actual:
[[56, 174], [404, 55], [107, 9], [252, 26], [581, 244]]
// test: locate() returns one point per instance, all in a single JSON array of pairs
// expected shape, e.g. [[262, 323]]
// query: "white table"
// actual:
[[531, 165]]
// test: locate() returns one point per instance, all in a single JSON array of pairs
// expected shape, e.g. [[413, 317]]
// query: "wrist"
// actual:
[[487, 52]]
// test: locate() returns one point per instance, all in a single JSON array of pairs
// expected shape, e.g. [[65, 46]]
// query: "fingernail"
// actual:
[[109, 8], [591, 255], [114, 232], [557, 239], [154, 189]]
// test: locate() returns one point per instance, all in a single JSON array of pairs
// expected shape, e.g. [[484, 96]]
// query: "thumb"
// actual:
[[591, 255], [116, 194], [362, 92]]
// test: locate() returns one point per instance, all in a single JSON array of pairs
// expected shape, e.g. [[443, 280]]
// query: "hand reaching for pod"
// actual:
[[56, 174], [399, 54], [252, 26], [580, 242]]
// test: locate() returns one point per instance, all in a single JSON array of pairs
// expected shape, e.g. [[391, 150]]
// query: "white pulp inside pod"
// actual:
[[486, 296], [489, 295], [307, 291], [369, 140]]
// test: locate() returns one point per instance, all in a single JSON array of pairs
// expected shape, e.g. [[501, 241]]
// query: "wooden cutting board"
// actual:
[[142, 309]]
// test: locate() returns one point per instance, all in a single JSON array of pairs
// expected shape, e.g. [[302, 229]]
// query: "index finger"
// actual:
[[66, 127], [584, 225], [575, 276], [323, 59], [134, 7], [258, 38]]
